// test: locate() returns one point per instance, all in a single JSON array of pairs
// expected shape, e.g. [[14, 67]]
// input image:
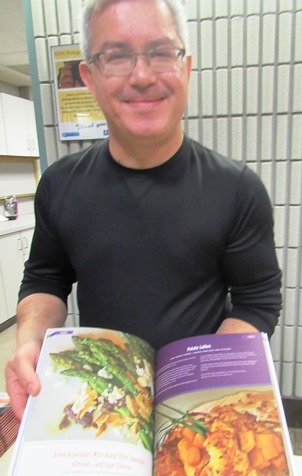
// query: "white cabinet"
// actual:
[[32, 140], [14, 251], [3, 306], [3, 144], [19, 126]]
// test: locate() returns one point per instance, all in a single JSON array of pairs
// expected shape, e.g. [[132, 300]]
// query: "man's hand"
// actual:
[[21, 377], [35, 314]]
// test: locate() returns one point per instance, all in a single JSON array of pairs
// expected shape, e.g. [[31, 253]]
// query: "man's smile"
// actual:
[[141, 101]]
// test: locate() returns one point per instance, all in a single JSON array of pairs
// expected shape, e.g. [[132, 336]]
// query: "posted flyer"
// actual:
[[79, 115]]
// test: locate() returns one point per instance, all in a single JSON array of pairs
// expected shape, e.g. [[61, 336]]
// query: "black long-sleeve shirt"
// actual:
[[155, 252]]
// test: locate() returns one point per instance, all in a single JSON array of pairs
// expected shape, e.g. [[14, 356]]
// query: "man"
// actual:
[[156, 229]]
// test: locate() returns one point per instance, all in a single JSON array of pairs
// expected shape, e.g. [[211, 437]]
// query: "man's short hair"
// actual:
[[176, 7]]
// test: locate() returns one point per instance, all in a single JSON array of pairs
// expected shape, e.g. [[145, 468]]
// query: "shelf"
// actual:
[[17, 158], [19, 176], [20, 195]]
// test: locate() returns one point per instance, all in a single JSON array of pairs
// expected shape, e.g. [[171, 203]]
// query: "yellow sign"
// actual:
[[79, 115], [77, 106], [67, 53]]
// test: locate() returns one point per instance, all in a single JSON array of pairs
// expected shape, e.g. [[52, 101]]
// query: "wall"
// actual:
[[245, 102], [9, 89]]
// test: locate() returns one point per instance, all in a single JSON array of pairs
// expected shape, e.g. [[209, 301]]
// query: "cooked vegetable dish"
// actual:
[[241, 437], [116, 389]]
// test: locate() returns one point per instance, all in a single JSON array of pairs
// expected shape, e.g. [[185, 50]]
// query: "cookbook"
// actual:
[[202, 406]]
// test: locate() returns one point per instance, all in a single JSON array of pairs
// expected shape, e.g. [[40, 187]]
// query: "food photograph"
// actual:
[[233, 432], [102, 386]]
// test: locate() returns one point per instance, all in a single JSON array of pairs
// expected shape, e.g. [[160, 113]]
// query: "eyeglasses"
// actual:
[[122, 63]]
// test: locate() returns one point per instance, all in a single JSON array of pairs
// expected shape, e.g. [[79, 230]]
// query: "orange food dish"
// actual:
[[243, 438]]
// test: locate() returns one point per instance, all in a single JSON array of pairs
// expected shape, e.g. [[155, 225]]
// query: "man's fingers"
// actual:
[[21, 377]]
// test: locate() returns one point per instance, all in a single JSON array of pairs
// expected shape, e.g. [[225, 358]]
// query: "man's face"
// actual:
[[142, 105]]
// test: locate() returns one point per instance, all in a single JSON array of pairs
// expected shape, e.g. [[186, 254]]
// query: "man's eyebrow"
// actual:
[[112, 44], [165, 41]]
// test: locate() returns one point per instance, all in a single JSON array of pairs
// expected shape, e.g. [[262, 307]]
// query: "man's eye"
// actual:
[[161, 54], [117, 57]]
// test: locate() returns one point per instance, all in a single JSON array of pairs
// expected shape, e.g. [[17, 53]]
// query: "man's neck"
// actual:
[[144, 154]]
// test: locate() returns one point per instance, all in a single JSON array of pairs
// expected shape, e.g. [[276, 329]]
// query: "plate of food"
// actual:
[[238, 434], [96, 386]]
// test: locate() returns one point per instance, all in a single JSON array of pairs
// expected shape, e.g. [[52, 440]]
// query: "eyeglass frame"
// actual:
[[94, 59]]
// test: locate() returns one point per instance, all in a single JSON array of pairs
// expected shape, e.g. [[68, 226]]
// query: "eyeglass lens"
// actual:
[[123, 62]]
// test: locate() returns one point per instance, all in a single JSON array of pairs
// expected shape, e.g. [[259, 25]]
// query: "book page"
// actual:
[[94, 413], [216, 411]]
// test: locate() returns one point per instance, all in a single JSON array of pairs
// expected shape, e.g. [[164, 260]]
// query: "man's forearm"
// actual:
[[36, 313], [235, 326]]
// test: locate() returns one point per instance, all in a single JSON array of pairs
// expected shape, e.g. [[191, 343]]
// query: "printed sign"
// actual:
[[79, 115]]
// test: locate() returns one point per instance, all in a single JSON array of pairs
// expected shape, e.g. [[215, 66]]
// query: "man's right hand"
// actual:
[[35, 314], [21, 377]]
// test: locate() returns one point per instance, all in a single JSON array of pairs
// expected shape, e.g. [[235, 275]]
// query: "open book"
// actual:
[[209, 406]]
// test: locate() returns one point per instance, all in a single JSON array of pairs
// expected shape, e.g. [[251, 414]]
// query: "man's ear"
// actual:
[[86, 75], [189, 65]]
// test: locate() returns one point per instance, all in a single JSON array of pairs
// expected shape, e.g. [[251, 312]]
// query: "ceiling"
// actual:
[[14, 63]]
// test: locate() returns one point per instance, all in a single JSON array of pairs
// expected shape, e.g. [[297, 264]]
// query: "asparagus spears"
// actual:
[[91, 356], [96, 383]]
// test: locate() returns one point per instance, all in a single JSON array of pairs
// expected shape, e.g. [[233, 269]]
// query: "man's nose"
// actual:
[[142, 72]]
